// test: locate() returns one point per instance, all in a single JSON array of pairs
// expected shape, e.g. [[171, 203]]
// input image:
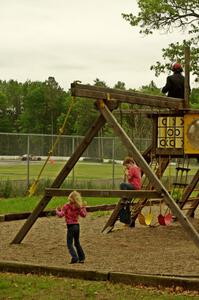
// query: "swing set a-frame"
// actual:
[[106, 101]]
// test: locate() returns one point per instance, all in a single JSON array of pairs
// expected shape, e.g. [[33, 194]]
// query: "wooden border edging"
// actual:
[[51, 213], [26, 268], [155, 280], [114, 277]]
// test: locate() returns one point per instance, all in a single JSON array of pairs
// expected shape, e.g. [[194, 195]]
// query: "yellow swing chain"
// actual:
[[33, 187]]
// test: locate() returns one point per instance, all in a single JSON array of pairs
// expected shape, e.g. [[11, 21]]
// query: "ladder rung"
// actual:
[[188, 208], [182, 169], [179, 183], [194, 199]]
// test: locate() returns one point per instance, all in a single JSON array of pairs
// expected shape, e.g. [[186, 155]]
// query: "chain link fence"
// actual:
[[102, 149], [15, 144], [14, 148]]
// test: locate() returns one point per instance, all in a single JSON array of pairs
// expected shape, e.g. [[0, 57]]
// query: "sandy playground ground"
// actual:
[[147, 250]]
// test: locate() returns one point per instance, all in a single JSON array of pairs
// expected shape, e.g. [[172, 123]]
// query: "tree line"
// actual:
[[41, 107]]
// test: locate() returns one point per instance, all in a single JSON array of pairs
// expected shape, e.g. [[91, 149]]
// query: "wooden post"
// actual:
[[194, 206], [187, 84], [189, 189], [159, 187], [113, 218]]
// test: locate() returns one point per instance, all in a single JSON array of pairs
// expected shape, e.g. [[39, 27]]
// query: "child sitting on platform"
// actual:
[[132, 174]]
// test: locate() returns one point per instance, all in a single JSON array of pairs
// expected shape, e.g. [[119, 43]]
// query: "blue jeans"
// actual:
[[126, 186], [73, 233]]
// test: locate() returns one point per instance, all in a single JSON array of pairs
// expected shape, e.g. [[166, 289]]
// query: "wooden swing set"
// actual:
[[106, 101]]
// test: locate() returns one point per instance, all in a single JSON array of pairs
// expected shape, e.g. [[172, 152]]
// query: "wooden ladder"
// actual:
[[190, 204]]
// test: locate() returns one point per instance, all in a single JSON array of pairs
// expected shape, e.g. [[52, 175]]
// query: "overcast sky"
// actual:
[[77, 40]]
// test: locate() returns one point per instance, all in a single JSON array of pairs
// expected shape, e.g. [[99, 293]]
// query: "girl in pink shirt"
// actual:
[[71, 211], [132, 174], [132, 181]]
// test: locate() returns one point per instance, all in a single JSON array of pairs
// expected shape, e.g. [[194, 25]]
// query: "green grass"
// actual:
[[88, 171], [27, 204], [82, 171], [19, 286], [13, 179]]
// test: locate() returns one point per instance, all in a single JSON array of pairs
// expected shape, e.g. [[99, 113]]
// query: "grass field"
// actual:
[[26, 204], [15, 286], [18, 170], [15, 177]]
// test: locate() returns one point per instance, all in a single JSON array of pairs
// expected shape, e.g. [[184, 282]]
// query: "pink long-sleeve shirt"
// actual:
[[134, 176], [71, 213]]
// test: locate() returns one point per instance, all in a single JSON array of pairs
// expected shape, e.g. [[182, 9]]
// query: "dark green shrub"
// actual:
[[7, 189]]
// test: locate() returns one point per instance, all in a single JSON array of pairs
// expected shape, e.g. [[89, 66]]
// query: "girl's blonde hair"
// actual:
[[75, 198]]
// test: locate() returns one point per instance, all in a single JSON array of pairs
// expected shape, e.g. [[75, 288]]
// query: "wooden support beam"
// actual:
[[189, 189], [156, 112], [60, 178], [192, 209], [104, 193], [148, 154], [88, 91], [174, 152], [113, 218], [191, 231]]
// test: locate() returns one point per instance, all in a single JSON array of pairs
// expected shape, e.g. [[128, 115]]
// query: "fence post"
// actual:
[[113, 163], [73, 170], [28, 163]]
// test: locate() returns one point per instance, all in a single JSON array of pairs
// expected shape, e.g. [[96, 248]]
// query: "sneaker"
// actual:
[[81, 261], [73, 261]]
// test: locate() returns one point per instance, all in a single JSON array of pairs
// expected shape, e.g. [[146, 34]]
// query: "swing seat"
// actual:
[[168, 219], [141, 219], [161, 220], [148, 219]]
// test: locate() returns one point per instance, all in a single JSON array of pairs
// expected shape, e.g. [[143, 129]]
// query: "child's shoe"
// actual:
[[73, 261], [81, 261]]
